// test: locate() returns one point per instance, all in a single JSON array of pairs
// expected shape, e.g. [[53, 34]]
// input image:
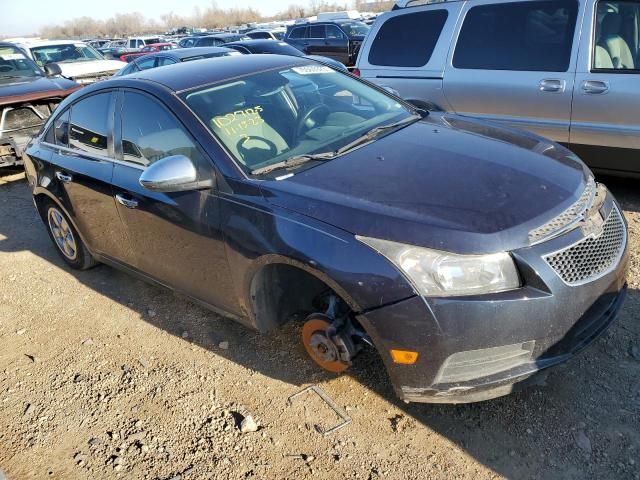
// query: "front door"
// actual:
[[336, 44], [176, 237], [514, 63], [81, 141], [605, 125]]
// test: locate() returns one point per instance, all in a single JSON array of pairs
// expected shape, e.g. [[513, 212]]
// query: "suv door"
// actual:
[[82, 156], [315, 44], [298, 38], [515, 62], [336, 44], [605, 127], [175, 237]]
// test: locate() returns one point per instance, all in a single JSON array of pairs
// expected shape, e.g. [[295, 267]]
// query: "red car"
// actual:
[[151, 48]]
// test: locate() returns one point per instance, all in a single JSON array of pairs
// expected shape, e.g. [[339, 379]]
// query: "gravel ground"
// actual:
[[104, 376]]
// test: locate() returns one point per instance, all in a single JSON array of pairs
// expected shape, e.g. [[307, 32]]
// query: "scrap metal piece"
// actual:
[[346, 419]]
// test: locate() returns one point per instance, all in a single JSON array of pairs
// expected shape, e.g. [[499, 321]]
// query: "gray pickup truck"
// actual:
[[566, 69]]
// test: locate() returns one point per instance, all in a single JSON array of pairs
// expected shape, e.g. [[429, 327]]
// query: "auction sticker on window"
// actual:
[[312, 69], [236, 123]]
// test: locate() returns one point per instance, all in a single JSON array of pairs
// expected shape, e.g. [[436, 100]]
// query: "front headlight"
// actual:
[[441, 274]]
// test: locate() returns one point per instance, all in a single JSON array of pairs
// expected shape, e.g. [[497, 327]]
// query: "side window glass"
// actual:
[[523, 36], [61, 130], [89, 125], [132, 44], [334, 33], [420, 30], [146, 63], [616, 42], [316, 31], [150, 132], [162, 61], [300, 32]]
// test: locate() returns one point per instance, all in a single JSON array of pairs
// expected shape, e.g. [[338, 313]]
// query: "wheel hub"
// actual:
[[322, 349]]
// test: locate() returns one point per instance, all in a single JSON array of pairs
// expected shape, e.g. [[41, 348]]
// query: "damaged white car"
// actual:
[[78, 61]]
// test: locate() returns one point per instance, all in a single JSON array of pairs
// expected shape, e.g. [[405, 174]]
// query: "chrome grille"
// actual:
[[592, 257], [567, 217]]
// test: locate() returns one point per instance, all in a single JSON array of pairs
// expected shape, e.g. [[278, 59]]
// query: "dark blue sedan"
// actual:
[[470, 256]]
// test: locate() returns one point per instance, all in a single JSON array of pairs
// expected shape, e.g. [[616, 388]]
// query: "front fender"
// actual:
[[262, 234]]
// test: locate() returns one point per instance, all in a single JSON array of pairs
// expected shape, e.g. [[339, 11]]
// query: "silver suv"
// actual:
[[566, 69]]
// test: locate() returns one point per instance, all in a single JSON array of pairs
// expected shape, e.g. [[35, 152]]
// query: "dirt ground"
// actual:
[[104, 376]]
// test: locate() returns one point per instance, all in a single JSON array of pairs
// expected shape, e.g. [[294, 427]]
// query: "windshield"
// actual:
[[14, 64], [355, 29], [67, 53], [271, 117]]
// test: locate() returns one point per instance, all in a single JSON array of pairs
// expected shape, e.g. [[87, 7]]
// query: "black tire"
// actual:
[[65, 237]]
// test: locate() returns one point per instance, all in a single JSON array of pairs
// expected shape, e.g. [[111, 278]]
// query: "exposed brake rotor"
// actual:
[[332, 354]]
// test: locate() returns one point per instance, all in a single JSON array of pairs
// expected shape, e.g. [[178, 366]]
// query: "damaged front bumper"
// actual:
[[480, 347]]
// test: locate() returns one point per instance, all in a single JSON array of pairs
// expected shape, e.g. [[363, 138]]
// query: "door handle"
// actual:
[[595, 87], [64, 177], [127, 202], [552, 85]]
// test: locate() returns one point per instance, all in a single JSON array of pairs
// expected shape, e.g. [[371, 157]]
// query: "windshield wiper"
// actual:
[[376, 132], [294, 161]]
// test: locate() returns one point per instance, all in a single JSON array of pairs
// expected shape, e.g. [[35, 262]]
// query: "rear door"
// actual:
[[515, 63], [175, 237], [315, 44], [605, 125], [298, 38], [82, 161]]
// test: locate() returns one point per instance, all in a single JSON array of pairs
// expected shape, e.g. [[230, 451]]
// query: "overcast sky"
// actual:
[[19, 17]]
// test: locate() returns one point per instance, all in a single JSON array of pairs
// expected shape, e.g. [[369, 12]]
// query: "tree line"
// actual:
[[123, 24]]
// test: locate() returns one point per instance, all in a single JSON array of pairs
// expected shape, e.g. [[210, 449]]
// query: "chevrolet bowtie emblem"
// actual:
[[593, 226]]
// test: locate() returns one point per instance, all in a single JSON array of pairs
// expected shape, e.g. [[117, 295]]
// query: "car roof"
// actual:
[[44, 43], [185, 76], [256, 42], [180, 53]]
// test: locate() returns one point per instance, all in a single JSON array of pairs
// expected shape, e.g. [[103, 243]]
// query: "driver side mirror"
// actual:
[[176, 173], [52, 70]]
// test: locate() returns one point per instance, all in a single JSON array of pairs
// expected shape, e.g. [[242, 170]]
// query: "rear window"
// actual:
[[524, 36], [408, 40]]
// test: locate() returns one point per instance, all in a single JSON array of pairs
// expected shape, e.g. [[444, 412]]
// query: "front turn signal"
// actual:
[[404, 357]]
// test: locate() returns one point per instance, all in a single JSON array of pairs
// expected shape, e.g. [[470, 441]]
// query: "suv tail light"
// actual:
[[356, 72]]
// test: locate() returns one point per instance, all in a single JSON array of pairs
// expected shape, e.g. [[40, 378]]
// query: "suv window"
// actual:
[[89, 125], [146, 63], [150, 132], [408, 40], [316, 31], [334, 33], [524, 36], [616, 45], [132, 43], [300, 32]]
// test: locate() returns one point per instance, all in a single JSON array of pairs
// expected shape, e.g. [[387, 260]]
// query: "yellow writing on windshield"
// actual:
[[238, 122]]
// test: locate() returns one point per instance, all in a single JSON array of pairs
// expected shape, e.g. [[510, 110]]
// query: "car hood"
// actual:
[[447, 182], [88, 68], [36, 88]]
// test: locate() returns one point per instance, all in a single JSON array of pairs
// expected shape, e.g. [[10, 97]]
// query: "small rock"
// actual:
[[136, 437], [151, 312], [79, 377], [119, 461], [144, 449], [21, 331], [29, 409], [33, 358], [224, 345], [144, 362], [138, 424], [79, 457], [248, 425], [87, 342], [582, 441], [95, 441], [114, 435], [185, 334]]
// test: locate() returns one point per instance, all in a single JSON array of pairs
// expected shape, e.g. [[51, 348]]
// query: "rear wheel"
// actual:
[[66, 238]]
